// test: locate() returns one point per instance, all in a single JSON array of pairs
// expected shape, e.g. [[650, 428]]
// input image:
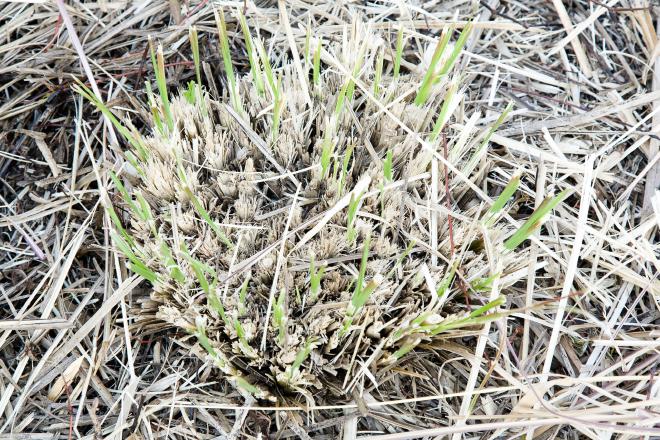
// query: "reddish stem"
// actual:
[[450, 220], [58, 25]]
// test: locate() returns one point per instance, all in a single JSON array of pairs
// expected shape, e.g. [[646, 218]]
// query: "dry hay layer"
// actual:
[[84, 349]]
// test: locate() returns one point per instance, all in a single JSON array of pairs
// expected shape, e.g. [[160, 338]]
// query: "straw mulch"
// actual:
[[577, 360]]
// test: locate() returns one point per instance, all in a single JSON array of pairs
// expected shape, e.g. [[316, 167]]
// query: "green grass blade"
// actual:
[[316, 71], [191, 92], [484, 284], [448, 107], [242, 294], [133, 160], [358, 300], [162, 87], [350, 88], [402, 257], [158, 122], [226, 58], [170, 263], [216, 305], [194, 45], [489, 306], [200, 333], [247, 386], [496, 125], [405, 349], [378, 75], [246, 348], [387, 167], [203, 213], [399, 53], [136, 265], [315, 275], [341, 99], [117, 222], [268, 70], [348, 153], [477, 317], [353, 205], [443, 287], [200, 275], [361, 293], [458, 48], [144, 212], [252, 55], [429, 77], [277, 113], [535, 220], [301, 356], [124, 193], [135, 142], [504, 196]]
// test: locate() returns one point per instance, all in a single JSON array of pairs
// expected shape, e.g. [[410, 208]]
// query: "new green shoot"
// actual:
[[200, 332], [194, 45], [161, 82], [202, 211], [158, 121], [136, 142], [506, 194], [135, 263], [246, 348], [449, 104], [301, 356], [387, 167], [432, 73], [535, 220], [280, 317], [458, 48], [252, 55], [315, 276], [327, 147], [353, 205], [362, 292], [316, 69], [443, 287], [399, 53], [242, 294], [226, 59]]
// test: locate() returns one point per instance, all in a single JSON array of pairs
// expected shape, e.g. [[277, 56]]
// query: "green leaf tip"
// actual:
[[535, 220]]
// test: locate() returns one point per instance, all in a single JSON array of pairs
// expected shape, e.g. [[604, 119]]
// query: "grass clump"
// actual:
[[216, 229]]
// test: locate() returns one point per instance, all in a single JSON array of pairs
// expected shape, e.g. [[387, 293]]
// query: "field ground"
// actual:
[[577, 360]]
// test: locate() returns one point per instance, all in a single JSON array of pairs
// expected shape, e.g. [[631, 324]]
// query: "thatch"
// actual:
[[581, 77]]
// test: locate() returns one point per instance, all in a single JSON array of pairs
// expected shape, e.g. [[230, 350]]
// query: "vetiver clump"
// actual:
[[296, 226]]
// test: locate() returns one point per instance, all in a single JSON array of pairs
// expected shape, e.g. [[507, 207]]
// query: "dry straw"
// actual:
[[571, 353]]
